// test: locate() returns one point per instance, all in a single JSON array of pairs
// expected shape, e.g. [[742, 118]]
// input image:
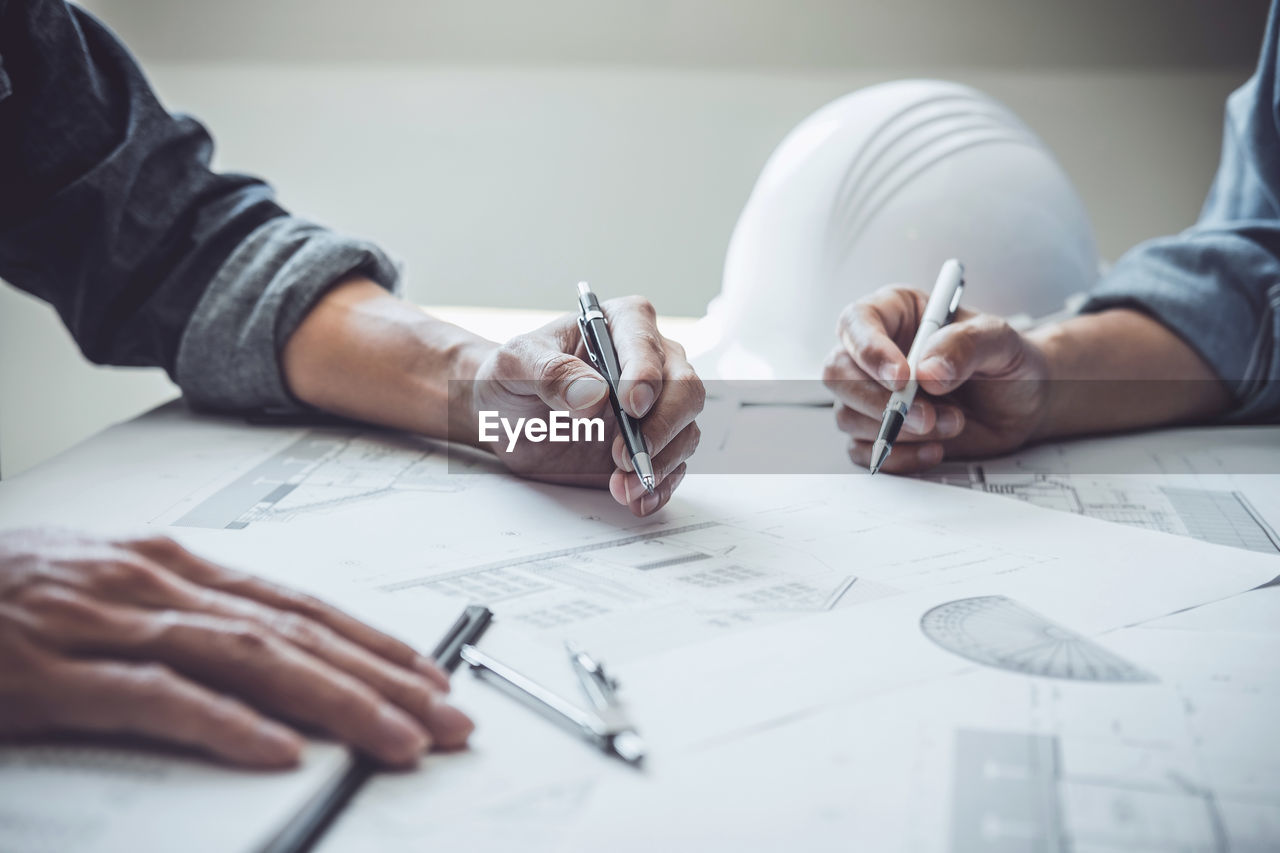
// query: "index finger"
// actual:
[[877, 330], [196, 569], [633, 322]]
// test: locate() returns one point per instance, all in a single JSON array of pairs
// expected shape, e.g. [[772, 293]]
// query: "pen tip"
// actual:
[[879, 453], [648, 484]]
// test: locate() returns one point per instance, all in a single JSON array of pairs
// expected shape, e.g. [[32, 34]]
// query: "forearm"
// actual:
[[365, 354], [1121, 370]]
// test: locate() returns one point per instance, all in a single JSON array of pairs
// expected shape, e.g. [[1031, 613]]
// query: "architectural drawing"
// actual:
[[1016, 791], [702, 578], [323, 471], [1224, 517]]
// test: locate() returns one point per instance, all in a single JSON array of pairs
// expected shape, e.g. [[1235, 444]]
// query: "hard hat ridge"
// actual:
[[880, 187]]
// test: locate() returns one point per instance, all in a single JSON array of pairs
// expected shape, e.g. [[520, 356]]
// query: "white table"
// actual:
[[833, 747]]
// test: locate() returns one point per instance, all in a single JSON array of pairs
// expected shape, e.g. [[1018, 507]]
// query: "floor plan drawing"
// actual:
[[323, 471], [703, 578], [1224, 517], [1020, 791]]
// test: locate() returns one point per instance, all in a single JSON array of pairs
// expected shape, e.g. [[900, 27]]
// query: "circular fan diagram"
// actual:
[[998, 631]]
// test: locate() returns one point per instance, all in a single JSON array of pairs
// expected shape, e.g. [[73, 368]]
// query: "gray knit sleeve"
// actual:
[[229, 355]]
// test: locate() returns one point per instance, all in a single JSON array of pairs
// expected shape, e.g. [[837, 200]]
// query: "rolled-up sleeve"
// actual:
[[1217, 284], [110, 211], [229, 356]]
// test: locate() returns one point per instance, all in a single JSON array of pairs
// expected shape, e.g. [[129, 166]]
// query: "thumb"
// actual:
[[568, 384], [984, 346]]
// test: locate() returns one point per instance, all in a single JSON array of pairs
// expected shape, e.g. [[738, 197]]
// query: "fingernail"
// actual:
[[450, 726], [585, 392], [649, 503], [889, 375], [276, 743], [677, 478], [948, 422], [626, 488], [939, 368], [915, 418], [931, 454], [401, 737], [642, 398]]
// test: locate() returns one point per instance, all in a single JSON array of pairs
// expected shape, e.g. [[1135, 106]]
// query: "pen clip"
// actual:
[[955, 303], [588, 340], [600, 688]]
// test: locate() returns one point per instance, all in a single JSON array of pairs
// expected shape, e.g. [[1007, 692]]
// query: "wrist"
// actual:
[[1056, 345], [462, 365]]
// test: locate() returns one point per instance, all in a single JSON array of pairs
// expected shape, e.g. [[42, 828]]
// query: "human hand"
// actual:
[[143, 637], [546, 370], [985, 385]]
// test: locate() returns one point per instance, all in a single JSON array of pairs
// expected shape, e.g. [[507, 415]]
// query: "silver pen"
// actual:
[[603, 354], [940, 310], [608, 728], [602, 691]]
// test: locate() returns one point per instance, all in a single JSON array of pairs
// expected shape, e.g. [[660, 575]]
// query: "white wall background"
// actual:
[[504, 153]]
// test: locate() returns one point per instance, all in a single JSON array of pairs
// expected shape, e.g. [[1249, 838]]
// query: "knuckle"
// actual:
[[151, 681], [355, 701], [553, 367], [691, 386], [647, 371], [163, 548], [127, 574], [983, 326], [507, 359], [990, 326], [39, 597], [299, 630], [699, 391], [639, 305], [650, 339], [51, 603], [308, 606], [845, 418], [245, 641]]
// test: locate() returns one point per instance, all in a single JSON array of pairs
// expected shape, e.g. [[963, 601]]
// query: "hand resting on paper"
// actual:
[[142, 637]]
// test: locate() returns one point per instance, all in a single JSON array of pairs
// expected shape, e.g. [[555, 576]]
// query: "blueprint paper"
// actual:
[[1218, 484], [988, 760], [750, 603]]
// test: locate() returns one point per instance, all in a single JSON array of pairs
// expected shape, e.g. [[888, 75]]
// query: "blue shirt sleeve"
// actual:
[[1217, 284]]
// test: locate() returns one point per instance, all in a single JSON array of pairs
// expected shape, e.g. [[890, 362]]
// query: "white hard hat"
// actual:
[[880, 187]]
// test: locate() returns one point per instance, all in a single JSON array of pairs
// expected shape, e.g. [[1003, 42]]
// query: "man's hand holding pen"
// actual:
[[985, 385], [549, 370]]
